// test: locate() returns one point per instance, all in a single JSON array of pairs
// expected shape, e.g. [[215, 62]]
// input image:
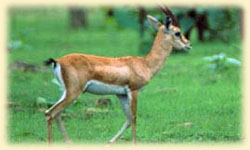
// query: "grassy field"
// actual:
[[185, 102]]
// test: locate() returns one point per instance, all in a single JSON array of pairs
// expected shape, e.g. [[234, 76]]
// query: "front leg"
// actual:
[[125, 102], [134, 110], [129, 106]]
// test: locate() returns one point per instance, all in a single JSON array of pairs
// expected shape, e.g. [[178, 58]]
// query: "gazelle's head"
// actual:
[[171, 31]]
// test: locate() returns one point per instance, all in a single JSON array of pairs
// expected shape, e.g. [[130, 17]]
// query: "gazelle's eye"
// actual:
[[178, 34]]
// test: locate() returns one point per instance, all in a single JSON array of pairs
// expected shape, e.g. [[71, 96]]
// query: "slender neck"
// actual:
[[159, 52]]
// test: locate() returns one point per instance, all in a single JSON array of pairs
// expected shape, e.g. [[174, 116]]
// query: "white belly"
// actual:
[[97, 87]]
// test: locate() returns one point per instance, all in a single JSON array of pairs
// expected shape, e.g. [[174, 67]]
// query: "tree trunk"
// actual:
[[78, 17], [142, 17]]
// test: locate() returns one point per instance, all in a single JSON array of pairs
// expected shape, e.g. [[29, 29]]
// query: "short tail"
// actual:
[[49, 62]]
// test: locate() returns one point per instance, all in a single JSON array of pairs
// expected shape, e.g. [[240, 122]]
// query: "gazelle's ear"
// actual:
[[168, 22], [154, 22]]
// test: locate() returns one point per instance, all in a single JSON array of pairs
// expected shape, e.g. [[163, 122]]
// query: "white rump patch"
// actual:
[[97, 87], [58, 74]]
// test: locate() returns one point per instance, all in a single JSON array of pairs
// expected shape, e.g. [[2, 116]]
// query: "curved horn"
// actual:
[[169, 13]]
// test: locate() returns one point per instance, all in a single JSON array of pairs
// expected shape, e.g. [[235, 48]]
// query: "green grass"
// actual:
[[183, 91]]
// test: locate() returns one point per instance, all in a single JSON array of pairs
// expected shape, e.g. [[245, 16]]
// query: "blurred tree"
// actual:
[[126, 17], [211, 23], [215, 23], [78, 17], [141, 18], [224, 22], [200, 21], [110, 12]]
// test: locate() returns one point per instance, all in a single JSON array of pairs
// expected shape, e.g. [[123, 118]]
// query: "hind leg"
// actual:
[[73, 87], [72, 91], [55, 110], [61, 127]]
